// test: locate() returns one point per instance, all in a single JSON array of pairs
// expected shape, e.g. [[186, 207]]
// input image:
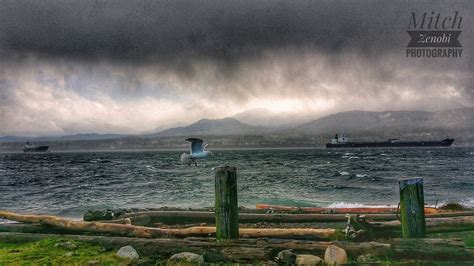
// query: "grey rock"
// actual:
[[69, 254], [366, 258], [128, 252], [93, 263], [308, 260], [286, 257], [66, 245], [335, 255], [187, 257], [100, 215]]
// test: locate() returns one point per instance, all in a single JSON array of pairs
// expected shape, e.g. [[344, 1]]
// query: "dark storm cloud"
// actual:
[[119, 66], [161, 31]]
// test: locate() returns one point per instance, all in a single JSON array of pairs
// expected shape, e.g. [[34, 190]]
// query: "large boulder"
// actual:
[[128, 252], [335, 255], [286, 257], [187, 258], [308, 260]]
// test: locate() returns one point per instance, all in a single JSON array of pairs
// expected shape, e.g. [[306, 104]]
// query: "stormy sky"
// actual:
[[128, 66]]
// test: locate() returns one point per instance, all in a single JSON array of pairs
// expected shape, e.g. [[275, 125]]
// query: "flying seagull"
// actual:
[[197, 151]]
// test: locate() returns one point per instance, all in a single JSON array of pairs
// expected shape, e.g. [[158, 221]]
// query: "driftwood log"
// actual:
[[433, 225], [357, 210], [371, 229], [252, 250], [152, 232], [183, 217], [361, 229], [431, 248], [34, 228]]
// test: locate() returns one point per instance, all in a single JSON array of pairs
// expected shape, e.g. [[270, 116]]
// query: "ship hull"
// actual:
[[443, 143], [37, 149]]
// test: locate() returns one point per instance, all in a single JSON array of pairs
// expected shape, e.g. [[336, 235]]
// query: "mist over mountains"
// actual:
[[267, 118], [266, 130], [389, 124]]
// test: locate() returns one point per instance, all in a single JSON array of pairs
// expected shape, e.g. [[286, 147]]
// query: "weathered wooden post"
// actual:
[[227, 224], [412, 209]]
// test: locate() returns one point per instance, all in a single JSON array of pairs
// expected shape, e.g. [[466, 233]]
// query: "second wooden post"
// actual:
[[226, 210], [412, 209]]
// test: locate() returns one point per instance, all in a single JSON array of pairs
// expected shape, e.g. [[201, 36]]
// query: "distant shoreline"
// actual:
[[172, 149], [226, 149]]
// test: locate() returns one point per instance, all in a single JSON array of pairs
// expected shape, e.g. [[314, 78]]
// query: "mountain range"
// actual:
[[361, 125], [267, 118], [225, 126], [390, 124]]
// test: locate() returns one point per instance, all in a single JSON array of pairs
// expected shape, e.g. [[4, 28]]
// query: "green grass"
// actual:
[[469, 239], [47, 252], [44, 252]]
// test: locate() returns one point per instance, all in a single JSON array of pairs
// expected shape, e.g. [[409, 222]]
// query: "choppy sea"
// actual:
[[69, 183]]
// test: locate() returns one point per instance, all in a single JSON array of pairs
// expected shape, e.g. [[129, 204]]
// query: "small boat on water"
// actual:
[[28, 147], [342, 141]]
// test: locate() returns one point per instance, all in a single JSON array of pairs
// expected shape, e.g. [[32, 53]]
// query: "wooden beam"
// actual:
[[152, 232], [183, 217]]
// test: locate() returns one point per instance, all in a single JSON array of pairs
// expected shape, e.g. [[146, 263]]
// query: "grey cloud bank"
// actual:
[[123, 66]]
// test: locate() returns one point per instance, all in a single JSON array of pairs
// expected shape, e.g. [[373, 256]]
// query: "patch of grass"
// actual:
[[49, 252], [469, 239]]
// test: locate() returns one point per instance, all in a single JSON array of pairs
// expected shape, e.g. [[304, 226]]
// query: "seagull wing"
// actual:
[[196, 145]]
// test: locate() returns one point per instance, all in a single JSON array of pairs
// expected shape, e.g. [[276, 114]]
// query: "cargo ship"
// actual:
[[28, 147], [342, 141]]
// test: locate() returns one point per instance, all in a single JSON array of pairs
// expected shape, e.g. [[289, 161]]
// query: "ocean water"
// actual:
[[68, 184]]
